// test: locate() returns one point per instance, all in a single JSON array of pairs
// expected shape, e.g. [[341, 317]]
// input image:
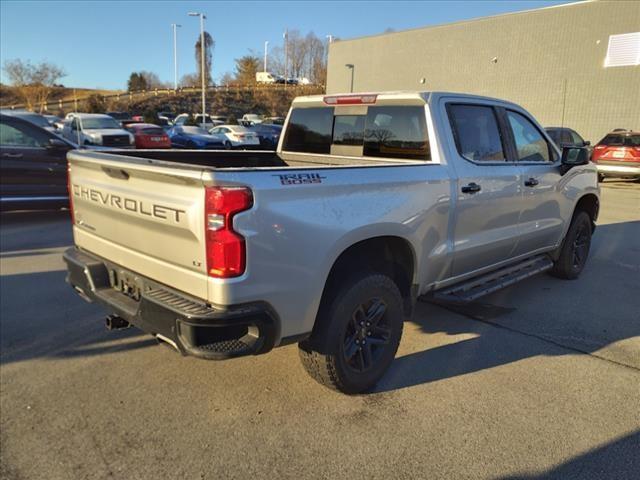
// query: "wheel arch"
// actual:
[[590, 204], [388, 254]]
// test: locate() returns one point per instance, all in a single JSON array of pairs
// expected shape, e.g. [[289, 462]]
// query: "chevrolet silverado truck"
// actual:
[[369, 202]]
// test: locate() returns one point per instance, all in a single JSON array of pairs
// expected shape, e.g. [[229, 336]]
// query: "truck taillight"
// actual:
[[73, 218], [225, 248]]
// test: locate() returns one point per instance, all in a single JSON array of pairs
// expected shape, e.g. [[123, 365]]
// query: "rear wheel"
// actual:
[[357, 336], [227, 145], [575, 248]]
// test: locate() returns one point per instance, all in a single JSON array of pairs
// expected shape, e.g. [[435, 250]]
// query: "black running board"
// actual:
[[492, 282]]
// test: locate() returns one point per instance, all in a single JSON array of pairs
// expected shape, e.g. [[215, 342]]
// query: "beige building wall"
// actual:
[[548, 60]]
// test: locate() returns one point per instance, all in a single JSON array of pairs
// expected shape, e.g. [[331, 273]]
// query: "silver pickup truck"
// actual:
[[369, 202]]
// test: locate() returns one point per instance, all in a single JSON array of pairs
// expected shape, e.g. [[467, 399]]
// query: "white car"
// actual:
[[236, 136], [207, 124], [95, 130]]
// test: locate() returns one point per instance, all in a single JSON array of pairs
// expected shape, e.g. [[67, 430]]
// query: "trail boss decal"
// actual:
[[300, 178]]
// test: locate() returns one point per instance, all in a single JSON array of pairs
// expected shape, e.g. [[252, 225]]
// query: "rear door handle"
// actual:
[[531, 182], [12, 155], [471, 188]]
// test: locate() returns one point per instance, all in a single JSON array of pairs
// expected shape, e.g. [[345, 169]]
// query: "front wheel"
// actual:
[[575, 248], [227, 145], [357, 335]]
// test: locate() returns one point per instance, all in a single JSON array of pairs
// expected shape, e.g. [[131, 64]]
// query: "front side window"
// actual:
[[476, 133], [15, 137], [309, 130], [396, 132], [530, 144]]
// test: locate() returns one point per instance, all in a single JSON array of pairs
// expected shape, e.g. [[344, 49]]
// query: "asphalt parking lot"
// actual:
[[546, 386]]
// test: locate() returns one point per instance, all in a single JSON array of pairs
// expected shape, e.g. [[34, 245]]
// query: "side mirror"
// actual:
[[573, 157], [587, 143], [57, 144]]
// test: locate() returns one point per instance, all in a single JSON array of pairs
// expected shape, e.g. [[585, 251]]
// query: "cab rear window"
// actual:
[[384, 132]]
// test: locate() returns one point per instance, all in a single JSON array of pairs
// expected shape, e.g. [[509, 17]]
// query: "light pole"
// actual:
[[286, 57], [175, 55], [266, 45], [351, 67], [202, 72]]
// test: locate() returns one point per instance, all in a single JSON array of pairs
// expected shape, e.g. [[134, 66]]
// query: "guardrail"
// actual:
[[61, 104]]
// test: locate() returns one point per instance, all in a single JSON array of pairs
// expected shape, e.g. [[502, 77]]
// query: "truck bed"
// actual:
[[243, 159]]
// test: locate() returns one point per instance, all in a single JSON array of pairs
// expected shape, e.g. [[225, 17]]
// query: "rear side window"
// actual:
[[309, 130], [530, 144], [396, 132], [476, 132]]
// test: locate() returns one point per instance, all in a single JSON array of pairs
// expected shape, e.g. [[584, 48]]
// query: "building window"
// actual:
[[623, 50]]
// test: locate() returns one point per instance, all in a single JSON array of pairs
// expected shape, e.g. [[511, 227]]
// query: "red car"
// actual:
[[148, 135], [618, 155]]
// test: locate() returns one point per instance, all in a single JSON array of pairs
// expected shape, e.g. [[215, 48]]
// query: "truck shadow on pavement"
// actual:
[[614, 460], [543, 316]]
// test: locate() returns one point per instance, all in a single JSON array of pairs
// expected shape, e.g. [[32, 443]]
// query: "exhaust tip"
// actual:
[[115, 322]]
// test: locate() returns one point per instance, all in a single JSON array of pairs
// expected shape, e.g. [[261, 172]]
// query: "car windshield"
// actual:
[[615, 140], [99, 123], [194, 131]]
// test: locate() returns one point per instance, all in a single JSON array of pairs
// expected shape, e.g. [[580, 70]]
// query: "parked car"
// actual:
[[33, 166], [148, 135], [35, 118], [266, 77], [563, 136], [120, 115], [273, 121], [53, 120], [618, 155], [168, 114], [205, 122], [249, 119], [184, 136], [267, 134], [330, 240], [97, 130], [236, 136]]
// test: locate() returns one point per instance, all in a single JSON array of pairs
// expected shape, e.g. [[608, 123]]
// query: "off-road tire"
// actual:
[[575, 248], [325, 355]]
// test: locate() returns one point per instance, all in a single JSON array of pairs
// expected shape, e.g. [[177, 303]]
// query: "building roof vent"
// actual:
[[623, 50]]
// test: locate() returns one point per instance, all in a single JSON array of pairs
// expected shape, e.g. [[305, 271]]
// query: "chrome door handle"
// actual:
[[12, 155], [531, 182]]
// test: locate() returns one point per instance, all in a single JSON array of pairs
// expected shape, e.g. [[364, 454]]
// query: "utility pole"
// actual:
[[202, 66], [175, 55], [266, 45]]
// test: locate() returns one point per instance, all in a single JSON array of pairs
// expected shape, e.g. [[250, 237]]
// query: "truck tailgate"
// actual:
[[144, 215]]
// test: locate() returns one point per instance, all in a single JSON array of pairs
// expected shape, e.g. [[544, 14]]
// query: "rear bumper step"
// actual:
[[190, 325]]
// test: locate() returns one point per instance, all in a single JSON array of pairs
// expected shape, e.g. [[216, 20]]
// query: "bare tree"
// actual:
[[190, 80], [152, 80], [33, 82]]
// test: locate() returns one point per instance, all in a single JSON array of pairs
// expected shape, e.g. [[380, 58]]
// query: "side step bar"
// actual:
[[494, 281]]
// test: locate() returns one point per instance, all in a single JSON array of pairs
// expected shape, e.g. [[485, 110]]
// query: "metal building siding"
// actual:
[[537, 52]]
